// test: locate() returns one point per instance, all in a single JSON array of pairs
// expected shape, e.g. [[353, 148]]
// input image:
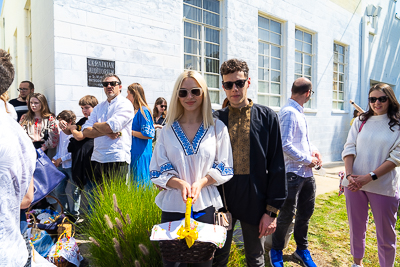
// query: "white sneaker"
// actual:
[[356, 265]]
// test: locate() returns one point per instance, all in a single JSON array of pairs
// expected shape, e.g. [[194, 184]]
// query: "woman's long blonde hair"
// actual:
[[176, 110], [139, 99], [44, 109]]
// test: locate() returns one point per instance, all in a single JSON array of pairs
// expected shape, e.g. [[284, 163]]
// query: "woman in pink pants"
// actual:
[[371, 153]]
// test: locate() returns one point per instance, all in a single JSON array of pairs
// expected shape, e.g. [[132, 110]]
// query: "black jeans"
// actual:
[[301, 195], [253, 246], [208, 217]]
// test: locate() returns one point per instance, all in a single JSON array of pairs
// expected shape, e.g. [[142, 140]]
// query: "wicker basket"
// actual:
[[66, 226], [53, 233], [178, 251]]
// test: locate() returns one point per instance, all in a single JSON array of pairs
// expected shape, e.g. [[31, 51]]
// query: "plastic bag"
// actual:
[[67, 248], [39, 261], [42, 241]]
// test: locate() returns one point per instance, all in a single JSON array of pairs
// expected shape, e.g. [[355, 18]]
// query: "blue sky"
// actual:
[[1, 5], [397, 8]]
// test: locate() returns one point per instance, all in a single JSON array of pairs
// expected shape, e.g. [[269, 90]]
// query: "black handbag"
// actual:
[[46, 177]]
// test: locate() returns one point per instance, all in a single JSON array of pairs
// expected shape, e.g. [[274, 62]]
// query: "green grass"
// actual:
[[138, 202]]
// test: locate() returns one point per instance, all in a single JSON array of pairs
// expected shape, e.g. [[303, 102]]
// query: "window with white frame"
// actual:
[[304, 57], [269, 62], [202, 41], [339, 64]]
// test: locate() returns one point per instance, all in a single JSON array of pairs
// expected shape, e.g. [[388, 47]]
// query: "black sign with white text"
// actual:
[[96, 69]]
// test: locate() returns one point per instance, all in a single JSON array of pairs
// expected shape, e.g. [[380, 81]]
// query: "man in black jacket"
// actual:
[[258, 188]]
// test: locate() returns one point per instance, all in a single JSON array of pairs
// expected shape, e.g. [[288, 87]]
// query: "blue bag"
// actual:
[[46, 177], [43, 243]]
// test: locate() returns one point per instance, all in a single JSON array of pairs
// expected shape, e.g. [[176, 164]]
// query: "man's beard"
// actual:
[[23, 98]]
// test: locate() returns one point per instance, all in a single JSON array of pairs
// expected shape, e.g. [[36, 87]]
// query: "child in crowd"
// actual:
[[62, 160], [81, 148]]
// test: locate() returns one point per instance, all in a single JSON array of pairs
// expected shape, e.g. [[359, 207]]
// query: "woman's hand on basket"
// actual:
[[185, 190]]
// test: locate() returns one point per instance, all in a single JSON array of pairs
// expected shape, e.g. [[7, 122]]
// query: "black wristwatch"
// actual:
[[373, 175], [271, 214]]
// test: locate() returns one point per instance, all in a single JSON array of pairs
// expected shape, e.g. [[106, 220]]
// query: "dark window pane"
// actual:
[[192, 13], [307, 48], [299, 58], [263, 61], [274, 101], [341, 68], [275, 51], [299, 35], [263, 35], [210, 19], [192, 30], [263, 48], [192, 47], [275, 26], [263, 87], [307, 70], [212, 35], [298, 69], [212, 80], [275, 38], [275, 76], [275, 63], [212, 5], [214, 96], [299, 45], [263, 100], [275, 88], [192, 62], [307, 59], [212, 50], [193, 2], [212, 65], [263, 22], [307, 38]]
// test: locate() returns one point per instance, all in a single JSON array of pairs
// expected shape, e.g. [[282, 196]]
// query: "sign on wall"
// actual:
[[96, 68]]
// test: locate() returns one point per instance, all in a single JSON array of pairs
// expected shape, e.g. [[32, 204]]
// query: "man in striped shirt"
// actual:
[[300, 157], [25, 89]]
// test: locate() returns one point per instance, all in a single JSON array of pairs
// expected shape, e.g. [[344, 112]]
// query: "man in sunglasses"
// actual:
[[110, 125], [25, 89], [300, 157], [258, 187]]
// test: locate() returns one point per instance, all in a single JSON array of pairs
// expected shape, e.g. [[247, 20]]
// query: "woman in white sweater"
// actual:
[[371, 154]]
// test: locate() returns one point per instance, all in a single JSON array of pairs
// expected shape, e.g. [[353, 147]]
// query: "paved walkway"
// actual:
[[329, 182]]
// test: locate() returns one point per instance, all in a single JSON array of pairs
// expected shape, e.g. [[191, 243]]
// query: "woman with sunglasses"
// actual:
[[371, 154], [192, 155], [159, 112], [39, 123], [142, 134]]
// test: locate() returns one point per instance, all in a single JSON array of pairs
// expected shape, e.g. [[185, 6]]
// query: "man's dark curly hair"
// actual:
[[6, 71], [234, 65]]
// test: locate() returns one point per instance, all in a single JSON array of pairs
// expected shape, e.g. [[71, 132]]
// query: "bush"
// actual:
[[120, 223]]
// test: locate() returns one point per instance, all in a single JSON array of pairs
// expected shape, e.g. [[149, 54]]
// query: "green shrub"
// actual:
[[117, 229]]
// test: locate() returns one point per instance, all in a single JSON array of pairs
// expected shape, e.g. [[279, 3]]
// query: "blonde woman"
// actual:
[[192, 155], [39, 123], [142, 135]]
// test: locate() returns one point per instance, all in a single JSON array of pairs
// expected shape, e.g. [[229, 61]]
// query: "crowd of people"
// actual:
[[244, 158]]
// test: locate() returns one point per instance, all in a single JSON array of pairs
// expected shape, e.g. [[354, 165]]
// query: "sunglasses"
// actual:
[[163, 106], [194, 91], [381, 99], [239, 84], [22, 90], [113, 83]]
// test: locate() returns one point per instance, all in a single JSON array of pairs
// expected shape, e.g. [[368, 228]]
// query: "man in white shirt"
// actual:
[[300, 157], [110, 124], [18, 160]]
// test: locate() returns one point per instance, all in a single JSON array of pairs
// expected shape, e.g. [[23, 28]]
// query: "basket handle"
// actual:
[[58, 201], [188, 213], [72, 225]]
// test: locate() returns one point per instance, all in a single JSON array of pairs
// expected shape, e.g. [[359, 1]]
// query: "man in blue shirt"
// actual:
[[300, 157]]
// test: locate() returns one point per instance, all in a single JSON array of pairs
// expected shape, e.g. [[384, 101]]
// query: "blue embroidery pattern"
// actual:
[[165, 167], [222, 169], [189, 148], [148, 130]]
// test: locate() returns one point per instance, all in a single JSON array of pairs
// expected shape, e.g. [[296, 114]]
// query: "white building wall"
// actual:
[[142, 37], [329, 23], [16, 20]]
